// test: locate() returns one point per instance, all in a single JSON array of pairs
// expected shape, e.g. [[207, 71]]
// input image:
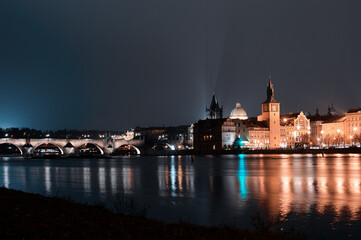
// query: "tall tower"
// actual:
[[214, 111], [271, 114]]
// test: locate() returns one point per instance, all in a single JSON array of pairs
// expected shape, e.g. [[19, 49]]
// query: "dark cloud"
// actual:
[[119, 64]]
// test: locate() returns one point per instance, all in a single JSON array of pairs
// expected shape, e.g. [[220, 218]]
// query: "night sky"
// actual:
[[117, 64]]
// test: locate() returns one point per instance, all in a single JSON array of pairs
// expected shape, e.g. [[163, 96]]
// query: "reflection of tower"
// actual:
[[271, 114], [214, 111]]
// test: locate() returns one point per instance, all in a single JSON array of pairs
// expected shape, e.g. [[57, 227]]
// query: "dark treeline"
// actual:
[[64, 133]]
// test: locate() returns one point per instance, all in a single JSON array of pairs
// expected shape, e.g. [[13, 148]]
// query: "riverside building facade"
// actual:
[[271, 130], [238, 131], [332, 130], [352, 127]]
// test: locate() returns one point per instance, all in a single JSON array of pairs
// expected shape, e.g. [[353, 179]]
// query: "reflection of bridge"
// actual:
[[70, 146]]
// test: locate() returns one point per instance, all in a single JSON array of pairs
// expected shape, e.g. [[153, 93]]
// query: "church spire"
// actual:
[[270, 91], [214, 102], [214, 111], [270, 80]]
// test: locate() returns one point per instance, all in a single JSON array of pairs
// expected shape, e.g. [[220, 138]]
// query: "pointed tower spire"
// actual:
[[214, 102], [270, 90], [214, 111]]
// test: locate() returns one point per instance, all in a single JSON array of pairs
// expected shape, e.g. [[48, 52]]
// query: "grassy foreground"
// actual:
[[32, 216]]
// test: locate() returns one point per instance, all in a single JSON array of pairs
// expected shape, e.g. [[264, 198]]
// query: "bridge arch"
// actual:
[[129, 148], [48, 149], [88, 148], [6, 147]]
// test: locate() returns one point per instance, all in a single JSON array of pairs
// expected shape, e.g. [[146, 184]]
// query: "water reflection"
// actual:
[[340, 186], [127, 174], [212, 188], [180, 177], [6, 176], [175, 177], [242, 176], [189, 175], [102, 180], [47, 180], [86, 179], [293, 185], [113, 180]]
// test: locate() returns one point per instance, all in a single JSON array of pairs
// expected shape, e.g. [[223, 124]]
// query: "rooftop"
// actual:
[[354, 110], [335, 119]]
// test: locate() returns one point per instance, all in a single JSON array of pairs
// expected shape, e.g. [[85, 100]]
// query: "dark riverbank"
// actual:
[[32, 216]]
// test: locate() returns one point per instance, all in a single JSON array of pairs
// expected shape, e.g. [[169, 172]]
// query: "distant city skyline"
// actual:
[[115, 65]]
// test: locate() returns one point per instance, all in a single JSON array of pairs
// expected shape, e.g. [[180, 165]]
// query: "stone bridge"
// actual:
[[68, 146]]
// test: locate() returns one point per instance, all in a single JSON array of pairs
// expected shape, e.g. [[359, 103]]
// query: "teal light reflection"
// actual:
[[242, 177]]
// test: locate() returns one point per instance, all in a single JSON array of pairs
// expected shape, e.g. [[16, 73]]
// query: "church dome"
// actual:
[[238, 113]]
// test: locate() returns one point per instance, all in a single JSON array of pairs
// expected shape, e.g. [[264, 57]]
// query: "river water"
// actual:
[[318, 196]]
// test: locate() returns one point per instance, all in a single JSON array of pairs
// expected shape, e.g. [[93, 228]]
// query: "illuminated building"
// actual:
[[295, 130], [271, 114], [316, 128], [269, 131], [128, 135], [333, 131], [237, 133], [327, 129], [228, 133], [302, 130], [222, 133], [287, 130], [263, 133], [259, 135], [235, 130], [352, 127], [240, 132], [238, 113]]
